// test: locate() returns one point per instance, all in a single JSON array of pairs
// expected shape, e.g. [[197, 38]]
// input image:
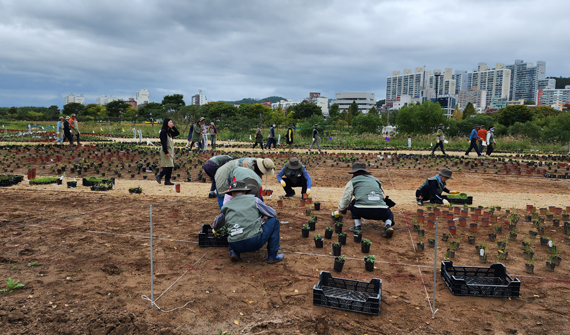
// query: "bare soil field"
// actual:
[[84, 256]]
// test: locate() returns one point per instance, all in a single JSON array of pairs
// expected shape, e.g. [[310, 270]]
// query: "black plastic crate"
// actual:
[[206, 238], [349, 295], [468, 201], [480, 281]]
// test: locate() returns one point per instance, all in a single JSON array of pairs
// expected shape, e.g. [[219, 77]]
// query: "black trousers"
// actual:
[[256, 143], [166, 173], [269, 142], [490, 149], [424, 193], [440, 144], [289, 184], [473, 146], [381, 214]]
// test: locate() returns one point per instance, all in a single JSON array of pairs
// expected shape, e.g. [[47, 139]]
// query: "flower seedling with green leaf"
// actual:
[[12, 285], [305, 227], [366, 241], [340, 258], [370, 258], [318, 237]]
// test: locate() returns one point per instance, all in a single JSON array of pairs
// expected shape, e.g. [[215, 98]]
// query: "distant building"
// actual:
[[105, 99], [554, 97], [284, 104], [80, 99], [496, 81], [199, 99], [364, 100], [320, 101], [498, 103], [525, 78], [142, 97], [475, 96], [132, 102]]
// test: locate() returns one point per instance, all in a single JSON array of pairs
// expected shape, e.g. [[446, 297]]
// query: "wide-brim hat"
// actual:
[[446, 173], [358, 166], [266, 166], [476, 126], [211, 123], [67, 117], [72, 115], [61, 118], [294, 163], [239, 185], [202, 119], [441, 126]]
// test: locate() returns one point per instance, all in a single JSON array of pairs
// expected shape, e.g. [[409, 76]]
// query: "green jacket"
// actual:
[[367, 192], [223, 173], [220, 159], [197, 133], [242, 218]]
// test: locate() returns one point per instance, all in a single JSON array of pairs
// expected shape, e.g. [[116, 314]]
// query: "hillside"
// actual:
[[252, 101]]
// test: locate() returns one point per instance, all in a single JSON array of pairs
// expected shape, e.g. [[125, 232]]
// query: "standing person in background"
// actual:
[[213, 134], [67, 130], [473, 138], [59, 130], [190, 135], [258, 138], [315, 138], [439, 139], [167, 133], [211, 167], [271, 138], [491, 143], [289, 137], [482, 133], [74, 127], [196, 134], [204, 136]]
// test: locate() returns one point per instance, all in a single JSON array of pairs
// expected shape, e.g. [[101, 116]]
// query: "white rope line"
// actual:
[[16, 237], [147, 237], [356, 259], [425, 289], [154, 302]]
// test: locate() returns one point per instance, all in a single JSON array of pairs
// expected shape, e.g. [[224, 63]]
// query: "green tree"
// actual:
[[174, 101], [73, 108], [468, 111], [392, 116], [34, 116], [420, 119], [152, 112], [305, 110], [373, 111], [116, 109], [309, 123], [334, 112], [559, 129], [353, 109], [528, 129], [52, 113], [94, 112], [464, 127], [508, 115], [379, 103], [369, 123], [529, 102], [457, 115]]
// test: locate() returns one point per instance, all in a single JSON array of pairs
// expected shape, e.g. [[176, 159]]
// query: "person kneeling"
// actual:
[[368, 202], [433, 187], [243, 217]]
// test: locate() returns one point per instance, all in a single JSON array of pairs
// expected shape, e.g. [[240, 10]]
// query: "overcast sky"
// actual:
[[233, 49]]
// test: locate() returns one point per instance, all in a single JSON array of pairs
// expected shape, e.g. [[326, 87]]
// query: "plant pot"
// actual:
[[464, 214], [528, 255], [532, 233], [307, 212], [543, 241], [302, 203], [177, 186], [444, 236], [268, 192], [420, 246], [279, 202], [512, 236], [431, 242], [471, 239], [305, 233], [416, 227], [431, 216], [483, 259], [342, 239], [502, 256], [485, 222], [357, 238], [319, 243], [450, 223], [328, 234], [336, 250], [492, 237], [550, 266], [430, 224], [452, 230], [556, 223], [556, 260], [312, 225], [309, 200], [529, 268], [338, 265], [317, 206], [338, 228], [450, 253], [421, 232], [421, 219], [368, 266], [365, 248], [473, 227]]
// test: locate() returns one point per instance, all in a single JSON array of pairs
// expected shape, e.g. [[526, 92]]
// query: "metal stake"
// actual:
[[434, 267], [151, 263]]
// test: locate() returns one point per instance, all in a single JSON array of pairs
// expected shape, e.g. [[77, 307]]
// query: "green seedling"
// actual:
[[12, 285], [318, 237], [305, 227], [366, 241], [340, 258], [370, 258], [36, 263]]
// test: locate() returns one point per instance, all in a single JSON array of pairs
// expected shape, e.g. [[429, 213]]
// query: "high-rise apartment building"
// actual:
[[323, 102], [525, 78], [495, 81], [199, 99], [553, 97], [405, 84], [74, 98], [142, 97], [475, 96], [105, 99]]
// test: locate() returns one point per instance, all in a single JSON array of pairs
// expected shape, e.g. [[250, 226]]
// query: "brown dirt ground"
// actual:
[[95, 262]]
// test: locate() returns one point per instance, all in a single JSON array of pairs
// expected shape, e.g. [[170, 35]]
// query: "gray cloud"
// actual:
[[247, 48]]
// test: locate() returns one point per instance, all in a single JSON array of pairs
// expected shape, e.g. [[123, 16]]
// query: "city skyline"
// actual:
[[234, 50]]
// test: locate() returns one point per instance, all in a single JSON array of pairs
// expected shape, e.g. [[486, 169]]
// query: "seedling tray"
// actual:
[[480, 281], [206, 238], [348, 295], [468, 201]]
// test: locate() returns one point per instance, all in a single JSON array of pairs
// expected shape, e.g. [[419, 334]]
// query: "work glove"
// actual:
[[308, 191], [283, 183], [313, 140], [445, 202], [454, 192], [336, 214]]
